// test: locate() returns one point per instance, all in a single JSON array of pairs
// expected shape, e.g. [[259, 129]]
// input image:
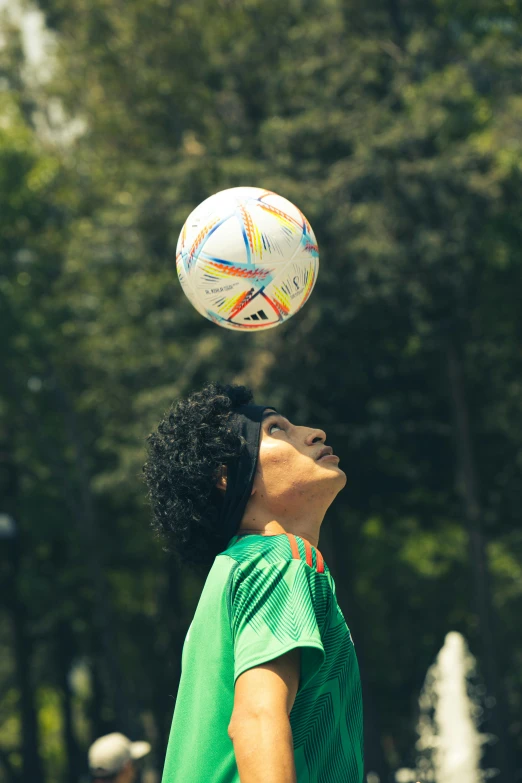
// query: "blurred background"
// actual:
[[396, 126]]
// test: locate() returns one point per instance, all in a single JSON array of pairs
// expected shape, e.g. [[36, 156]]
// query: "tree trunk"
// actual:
[[23, 650], [468, 488], [334, 546], [397, 21], [95, 709], [12, 774], [169, 650], [31, 761], [64, 657]]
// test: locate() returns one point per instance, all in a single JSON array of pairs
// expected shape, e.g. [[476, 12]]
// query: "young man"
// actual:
[[270, 689]]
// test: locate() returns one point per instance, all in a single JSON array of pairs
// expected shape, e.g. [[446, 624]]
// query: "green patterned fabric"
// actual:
[[258, 602]]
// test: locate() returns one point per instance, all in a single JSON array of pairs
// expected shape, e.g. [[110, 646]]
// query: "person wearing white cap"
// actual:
[[111, 758]]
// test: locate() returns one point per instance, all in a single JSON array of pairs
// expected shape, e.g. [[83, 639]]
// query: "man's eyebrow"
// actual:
[[268, 413]]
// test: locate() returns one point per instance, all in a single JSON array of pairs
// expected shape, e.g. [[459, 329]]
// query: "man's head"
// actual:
[[111, 758], [195, 453]]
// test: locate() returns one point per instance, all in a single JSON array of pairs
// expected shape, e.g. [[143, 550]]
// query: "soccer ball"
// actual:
[[247, 259]]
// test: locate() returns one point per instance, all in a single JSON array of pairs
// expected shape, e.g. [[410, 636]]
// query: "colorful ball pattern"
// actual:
[[247, 259]]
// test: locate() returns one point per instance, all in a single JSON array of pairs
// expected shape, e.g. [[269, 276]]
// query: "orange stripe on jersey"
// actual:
[[293, 546], [308, 553], [320, 562]]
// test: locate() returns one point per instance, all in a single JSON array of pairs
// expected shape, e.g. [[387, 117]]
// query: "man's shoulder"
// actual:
[[273, 551]]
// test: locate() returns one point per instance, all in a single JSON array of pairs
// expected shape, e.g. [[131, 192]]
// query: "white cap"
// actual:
[[110, 753]]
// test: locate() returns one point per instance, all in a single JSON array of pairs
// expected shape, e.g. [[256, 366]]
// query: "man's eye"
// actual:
[[271, 427]]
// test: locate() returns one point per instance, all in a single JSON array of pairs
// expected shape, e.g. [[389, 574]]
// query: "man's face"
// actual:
[[127, 774], [291, 467]]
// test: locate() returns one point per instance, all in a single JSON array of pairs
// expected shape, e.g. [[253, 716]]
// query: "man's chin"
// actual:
[[336, 474], [342, 477], [334, 468]]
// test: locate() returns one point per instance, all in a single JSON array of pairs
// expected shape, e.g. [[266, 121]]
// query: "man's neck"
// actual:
[[273, 528]]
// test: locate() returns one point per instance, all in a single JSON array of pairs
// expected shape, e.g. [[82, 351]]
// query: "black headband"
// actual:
[[240, 472]]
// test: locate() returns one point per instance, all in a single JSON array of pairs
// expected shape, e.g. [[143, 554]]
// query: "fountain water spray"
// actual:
[[450, 743]]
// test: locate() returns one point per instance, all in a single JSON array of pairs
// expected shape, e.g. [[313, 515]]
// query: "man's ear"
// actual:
[[221, 482]]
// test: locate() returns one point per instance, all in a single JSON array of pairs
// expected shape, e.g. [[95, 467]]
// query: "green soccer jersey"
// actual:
[[266, 595]]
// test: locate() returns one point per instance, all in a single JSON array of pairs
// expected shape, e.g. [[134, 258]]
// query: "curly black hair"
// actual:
[[186, 453]]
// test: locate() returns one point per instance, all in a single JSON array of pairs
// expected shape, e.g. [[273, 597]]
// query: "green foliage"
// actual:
[[396, 129]]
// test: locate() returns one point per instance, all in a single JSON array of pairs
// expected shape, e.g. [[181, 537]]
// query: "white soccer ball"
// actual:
[[247, 259]]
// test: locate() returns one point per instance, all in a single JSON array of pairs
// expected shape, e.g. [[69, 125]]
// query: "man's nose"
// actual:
[[314, 436]]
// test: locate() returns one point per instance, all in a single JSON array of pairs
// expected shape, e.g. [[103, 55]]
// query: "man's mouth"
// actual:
[[326, 451]]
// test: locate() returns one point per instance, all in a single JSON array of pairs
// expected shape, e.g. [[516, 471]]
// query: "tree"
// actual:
[[395, 128]]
